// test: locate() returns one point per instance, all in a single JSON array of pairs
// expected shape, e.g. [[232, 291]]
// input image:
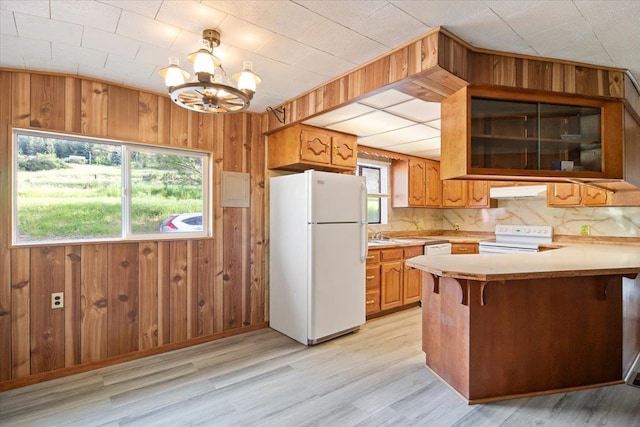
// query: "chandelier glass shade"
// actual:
[[210, 91]]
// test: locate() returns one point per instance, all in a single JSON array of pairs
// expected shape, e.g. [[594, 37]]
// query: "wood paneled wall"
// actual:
[[127, 299], [438, 64]]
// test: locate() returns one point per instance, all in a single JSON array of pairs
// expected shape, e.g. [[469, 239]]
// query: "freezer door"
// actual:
[[336, 198], [337, 280]]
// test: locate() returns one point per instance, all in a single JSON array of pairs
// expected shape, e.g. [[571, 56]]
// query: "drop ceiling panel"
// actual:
[[386, 99], [417, 109], [339, 114], [120, 45], [190, 16], [33, 27], [142, 28], [103, 16], [372, 123], [400, 136]]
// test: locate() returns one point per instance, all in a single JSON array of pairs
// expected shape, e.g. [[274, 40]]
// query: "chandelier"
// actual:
[[210, 91]]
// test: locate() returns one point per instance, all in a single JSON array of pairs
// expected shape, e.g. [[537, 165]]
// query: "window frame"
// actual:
[[126, 234], [383, 196]]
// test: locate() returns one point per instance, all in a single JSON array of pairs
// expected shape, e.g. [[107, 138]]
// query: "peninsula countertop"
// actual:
[[567, 261]]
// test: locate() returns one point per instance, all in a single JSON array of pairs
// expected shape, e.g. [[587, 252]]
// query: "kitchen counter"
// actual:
[[567, 261], [503, 326]]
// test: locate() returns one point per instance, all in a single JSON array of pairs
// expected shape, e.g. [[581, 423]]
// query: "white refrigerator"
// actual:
[[317, 250]]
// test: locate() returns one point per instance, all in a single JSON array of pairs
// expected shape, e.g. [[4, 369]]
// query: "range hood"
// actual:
[[518, 192]]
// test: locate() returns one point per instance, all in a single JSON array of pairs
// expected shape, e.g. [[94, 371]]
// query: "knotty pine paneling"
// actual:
[[93, 326], [47, 324], [178, 291], [94, 108], [47, 101], [123, 107], [126, 299], [20, 356], [6, 314], [73, 312], [122, 324], [148, 280]]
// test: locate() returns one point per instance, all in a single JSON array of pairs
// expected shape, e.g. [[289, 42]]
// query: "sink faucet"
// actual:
[[378, 236]]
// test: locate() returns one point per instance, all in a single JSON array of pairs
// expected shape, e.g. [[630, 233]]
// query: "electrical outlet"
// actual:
[[456, 226], [585, 230], [57, 300]]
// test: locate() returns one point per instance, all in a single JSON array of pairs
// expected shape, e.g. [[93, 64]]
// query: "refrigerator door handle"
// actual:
[[363, 224]]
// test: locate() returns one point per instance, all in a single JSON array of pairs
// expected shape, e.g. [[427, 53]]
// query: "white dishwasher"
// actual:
[[437, 247]]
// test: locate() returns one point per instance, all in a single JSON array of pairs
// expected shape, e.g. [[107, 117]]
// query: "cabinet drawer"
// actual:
[[373, 257], [391, 254], [464, 248], [413, 251], [372, 278], [372, 301]]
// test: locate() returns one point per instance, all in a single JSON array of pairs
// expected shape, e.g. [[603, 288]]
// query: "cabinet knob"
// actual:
[[371, 277], [463, 249], [371, 301], [370, 257]]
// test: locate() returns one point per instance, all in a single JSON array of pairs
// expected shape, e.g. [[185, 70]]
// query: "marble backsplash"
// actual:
[[604, 221]]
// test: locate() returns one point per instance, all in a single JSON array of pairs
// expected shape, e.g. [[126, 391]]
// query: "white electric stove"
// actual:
[[518, 238]]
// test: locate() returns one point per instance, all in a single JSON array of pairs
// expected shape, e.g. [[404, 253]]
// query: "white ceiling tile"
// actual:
[[243, 34], [28, 7], [339, 114], [147, 30], [34, 27], [90, 14], [284, 49], [504, 9], [189, 15], [417, 109], [148, 8], [386, 98], [101, 73], [160, 56], [369, 124], [129, 67], [291, 20], [188, 42], [347, 13], [543, 16], [390, 26], [20, 46], [75, 54], [433, 123], [109, 42], [487, 30], [250, 11], [33, 63], [11, 60], [442, 12], [7, 23], [555, 42], [323, 63], [418, 147], [400, 136]]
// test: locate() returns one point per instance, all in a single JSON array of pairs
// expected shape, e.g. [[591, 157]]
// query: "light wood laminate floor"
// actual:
[[371, 378]]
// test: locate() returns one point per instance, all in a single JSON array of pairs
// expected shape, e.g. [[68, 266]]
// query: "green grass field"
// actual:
[[83, 202]]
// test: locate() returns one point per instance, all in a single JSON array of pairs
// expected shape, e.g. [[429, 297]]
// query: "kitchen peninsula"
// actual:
[[513, 325]]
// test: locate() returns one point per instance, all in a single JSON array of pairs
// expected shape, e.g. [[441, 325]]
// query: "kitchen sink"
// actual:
[[374, 242]]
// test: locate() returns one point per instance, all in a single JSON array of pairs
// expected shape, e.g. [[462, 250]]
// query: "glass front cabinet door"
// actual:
[[511, 133]]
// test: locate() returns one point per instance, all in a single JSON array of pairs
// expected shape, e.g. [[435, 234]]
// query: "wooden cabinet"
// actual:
[[391, 284], [466, 194], [302, 147], [391, 266], [412, 280], [372, 281], [565, 195], [464, 248], [416, 183], [509, 133]]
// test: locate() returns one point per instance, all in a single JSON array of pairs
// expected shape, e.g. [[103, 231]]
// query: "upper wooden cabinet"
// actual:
[[302, 147], [416, 183], [576, 195], [466, 194], [490, 132]]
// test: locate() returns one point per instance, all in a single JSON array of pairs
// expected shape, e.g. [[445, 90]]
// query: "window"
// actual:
[[376, 174], [70, 188]]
